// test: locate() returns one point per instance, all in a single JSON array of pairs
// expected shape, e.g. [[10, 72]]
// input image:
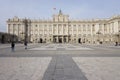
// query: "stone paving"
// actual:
[[99, 68], [60, 47], [63, 68], [60, 62], [12, 68]]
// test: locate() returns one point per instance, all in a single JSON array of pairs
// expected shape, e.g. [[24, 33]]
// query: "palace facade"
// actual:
[[61, 29]]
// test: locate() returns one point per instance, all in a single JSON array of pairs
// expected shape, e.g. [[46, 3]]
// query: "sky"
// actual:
[[44, 9]]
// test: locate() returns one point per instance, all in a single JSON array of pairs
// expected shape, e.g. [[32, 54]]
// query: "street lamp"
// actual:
[[26, 22], [13, 33], [26, 33]]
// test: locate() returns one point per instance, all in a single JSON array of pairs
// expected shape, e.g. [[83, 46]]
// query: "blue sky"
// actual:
[[77, 9]]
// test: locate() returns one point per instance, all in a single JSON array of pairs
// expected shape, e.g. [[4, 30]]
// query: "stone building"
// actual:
[[61, 29]]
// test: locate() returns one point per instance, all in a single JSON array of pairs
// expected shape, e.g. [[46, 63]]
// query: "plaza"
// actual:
[[59, 40], [60, 62]]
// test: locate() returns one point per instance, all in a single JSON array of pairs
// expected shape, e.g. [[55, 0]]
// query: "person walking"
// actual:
[[12, 46], [116, 43], [25, 45]]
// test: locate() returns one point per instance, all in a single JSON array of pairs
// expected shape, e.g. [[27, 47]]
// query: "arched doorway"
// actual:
[[79, 40], [60, 40], [41, 41]]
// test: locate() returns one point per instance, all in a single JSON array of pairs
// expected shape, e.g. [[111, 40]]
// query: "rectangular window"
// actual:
[[105, 27], [79, 28], [93, 27], [100, 27], [88, 27], [84, 28], [113, 27], [36, 25]]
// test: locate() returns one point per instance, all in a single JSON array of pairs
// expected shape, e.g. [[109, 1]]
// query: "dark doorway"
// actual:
[[3, 39], [60, 40], [41, 40], [79, 40]]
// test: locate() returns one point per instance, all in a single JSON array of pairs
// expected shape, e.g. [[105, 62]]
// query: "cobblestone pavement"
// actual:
[[60, 62]]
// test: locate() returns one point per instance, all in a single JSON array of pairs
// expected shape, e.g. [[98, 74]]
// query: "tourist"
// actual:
[[116, 43], [25, 45], [12, 46]]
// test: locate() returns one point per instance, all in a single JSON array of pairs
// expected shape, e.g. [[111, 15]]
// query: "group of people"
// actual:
[[13, 46]]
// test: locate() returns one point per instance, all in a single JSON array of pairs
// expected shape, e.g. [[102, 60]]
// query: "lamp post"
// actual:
[[26, 33], [27, 23], [13, 33]]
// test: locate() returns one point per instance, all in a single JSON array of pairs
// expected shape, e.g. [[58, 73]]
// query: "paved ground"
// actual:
[[60, 62], [12, 68], [99, 68]]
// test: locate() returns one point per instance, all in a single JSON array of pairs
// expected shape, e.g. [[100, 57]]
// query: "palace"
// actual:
[[61, 29]]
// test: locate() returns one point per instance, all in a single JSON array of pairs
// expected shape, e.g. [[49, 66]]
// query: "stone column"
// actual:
[[67, 39], [57, 30], [57, 39], [62, 40], [62, 30]]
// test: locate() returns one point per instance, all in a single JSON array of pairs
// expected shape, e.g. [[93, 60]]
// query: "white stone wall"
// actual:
[[92, 31]]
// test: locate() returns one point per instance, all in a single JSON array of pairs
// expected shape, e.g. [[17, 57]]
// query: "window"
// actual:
[[113, 27], [105, 27], [88, 27], [93, 27], [36, 25], [79, 28], [84, 28], [54, 25], [100, 27], [64, 24], [14, 25], [74, 25]]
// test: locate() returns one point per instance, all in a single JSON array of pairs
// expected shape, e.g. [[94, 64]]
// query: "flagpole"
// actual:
[[54, 10]]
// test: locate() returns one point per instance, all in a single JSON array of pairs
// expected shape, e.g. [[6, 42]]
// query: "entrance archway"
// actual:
[[79, 40], [3, 39], [41, 40], [60, 40]]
